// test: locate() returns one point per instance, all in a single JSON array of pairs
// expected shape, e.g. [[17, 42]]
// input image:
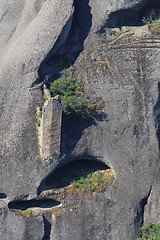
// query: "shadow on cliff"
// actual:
[[47, 229], [72, 130], [132, 16], [81, 24], [69, 44], [157, 116]]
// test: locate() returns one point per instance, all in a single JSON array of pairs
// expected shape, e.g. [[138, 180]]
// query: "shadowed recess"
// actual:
[[69, 172], [132, 16], [72, 130], [157, 116], [23, 205], [140, 211], [81, 24], [47, 229], [67, 50], [3, 195]]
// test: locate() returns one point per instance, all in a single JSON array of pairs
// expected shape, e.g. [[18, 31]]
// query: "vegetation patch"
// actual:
[[113, 33], [38, 115], [25, 213], [97, 106], [154, 24], [81, 184], [96, 181], [150, 232], [70, 91]]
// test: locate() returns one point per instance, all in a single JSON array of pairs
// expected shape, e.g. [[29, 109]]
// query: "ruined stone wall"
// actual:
[[50, 128]]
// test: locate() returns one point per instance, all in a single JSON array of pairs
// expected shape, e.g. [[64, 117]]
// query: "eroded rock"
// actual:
[[122, 71]]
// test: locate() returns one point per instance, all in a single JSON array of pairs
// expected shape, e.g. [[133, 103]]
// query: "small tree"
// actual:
[[70, 91], [150, 232]]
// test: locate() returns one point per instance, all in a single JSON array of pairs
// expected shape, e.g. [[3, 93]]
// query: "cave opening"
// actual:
[[133, 16], [65, 175], [34, 203], [3, 196]]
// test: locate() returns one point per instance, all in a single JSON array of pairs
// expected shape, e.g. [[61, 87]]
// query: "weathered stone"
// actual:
[[152, 209], [18, 227], [20, 60], [29, 30], [129, 89], [123, 71], [50, 129]]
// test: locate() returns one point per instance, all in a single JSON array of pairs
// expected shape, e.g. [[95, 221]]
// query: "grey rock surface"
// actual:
[[18, 71], [101, 11], [152, 209], [121, 70], [29, 30], [125, 78], [19, 227]]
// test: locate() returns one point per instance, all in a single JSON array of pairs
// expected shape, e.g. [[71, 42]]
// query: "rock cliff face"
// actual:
[[120, 68]]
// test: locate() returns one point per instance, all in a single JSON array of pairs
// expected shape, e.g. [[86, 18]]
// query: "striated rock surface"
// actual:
[[18, 71], [120, 70]]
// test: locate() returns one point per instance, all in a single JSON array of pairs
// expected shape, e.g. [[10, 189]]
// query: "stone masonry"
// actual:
[[50, 130]]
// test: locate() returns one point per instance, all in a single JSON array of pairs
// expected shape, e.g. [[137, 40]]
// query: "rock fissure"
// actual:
[[81, 24], [141, 210], [73, 43]]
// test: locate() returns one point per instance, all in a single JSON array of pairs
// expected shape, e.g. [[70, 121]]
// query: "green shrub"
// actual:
[[96, 181], [65, 86], [40, 113], [113, 33], [150, 232], [38, 123], [148, 20], [70, 91], [76, 105], [154, 24]]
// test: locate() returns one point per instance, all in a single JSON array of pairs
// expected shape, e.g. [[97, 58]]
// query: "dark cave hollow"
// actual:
[[62, 175], [132, 16], [42, 203]]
